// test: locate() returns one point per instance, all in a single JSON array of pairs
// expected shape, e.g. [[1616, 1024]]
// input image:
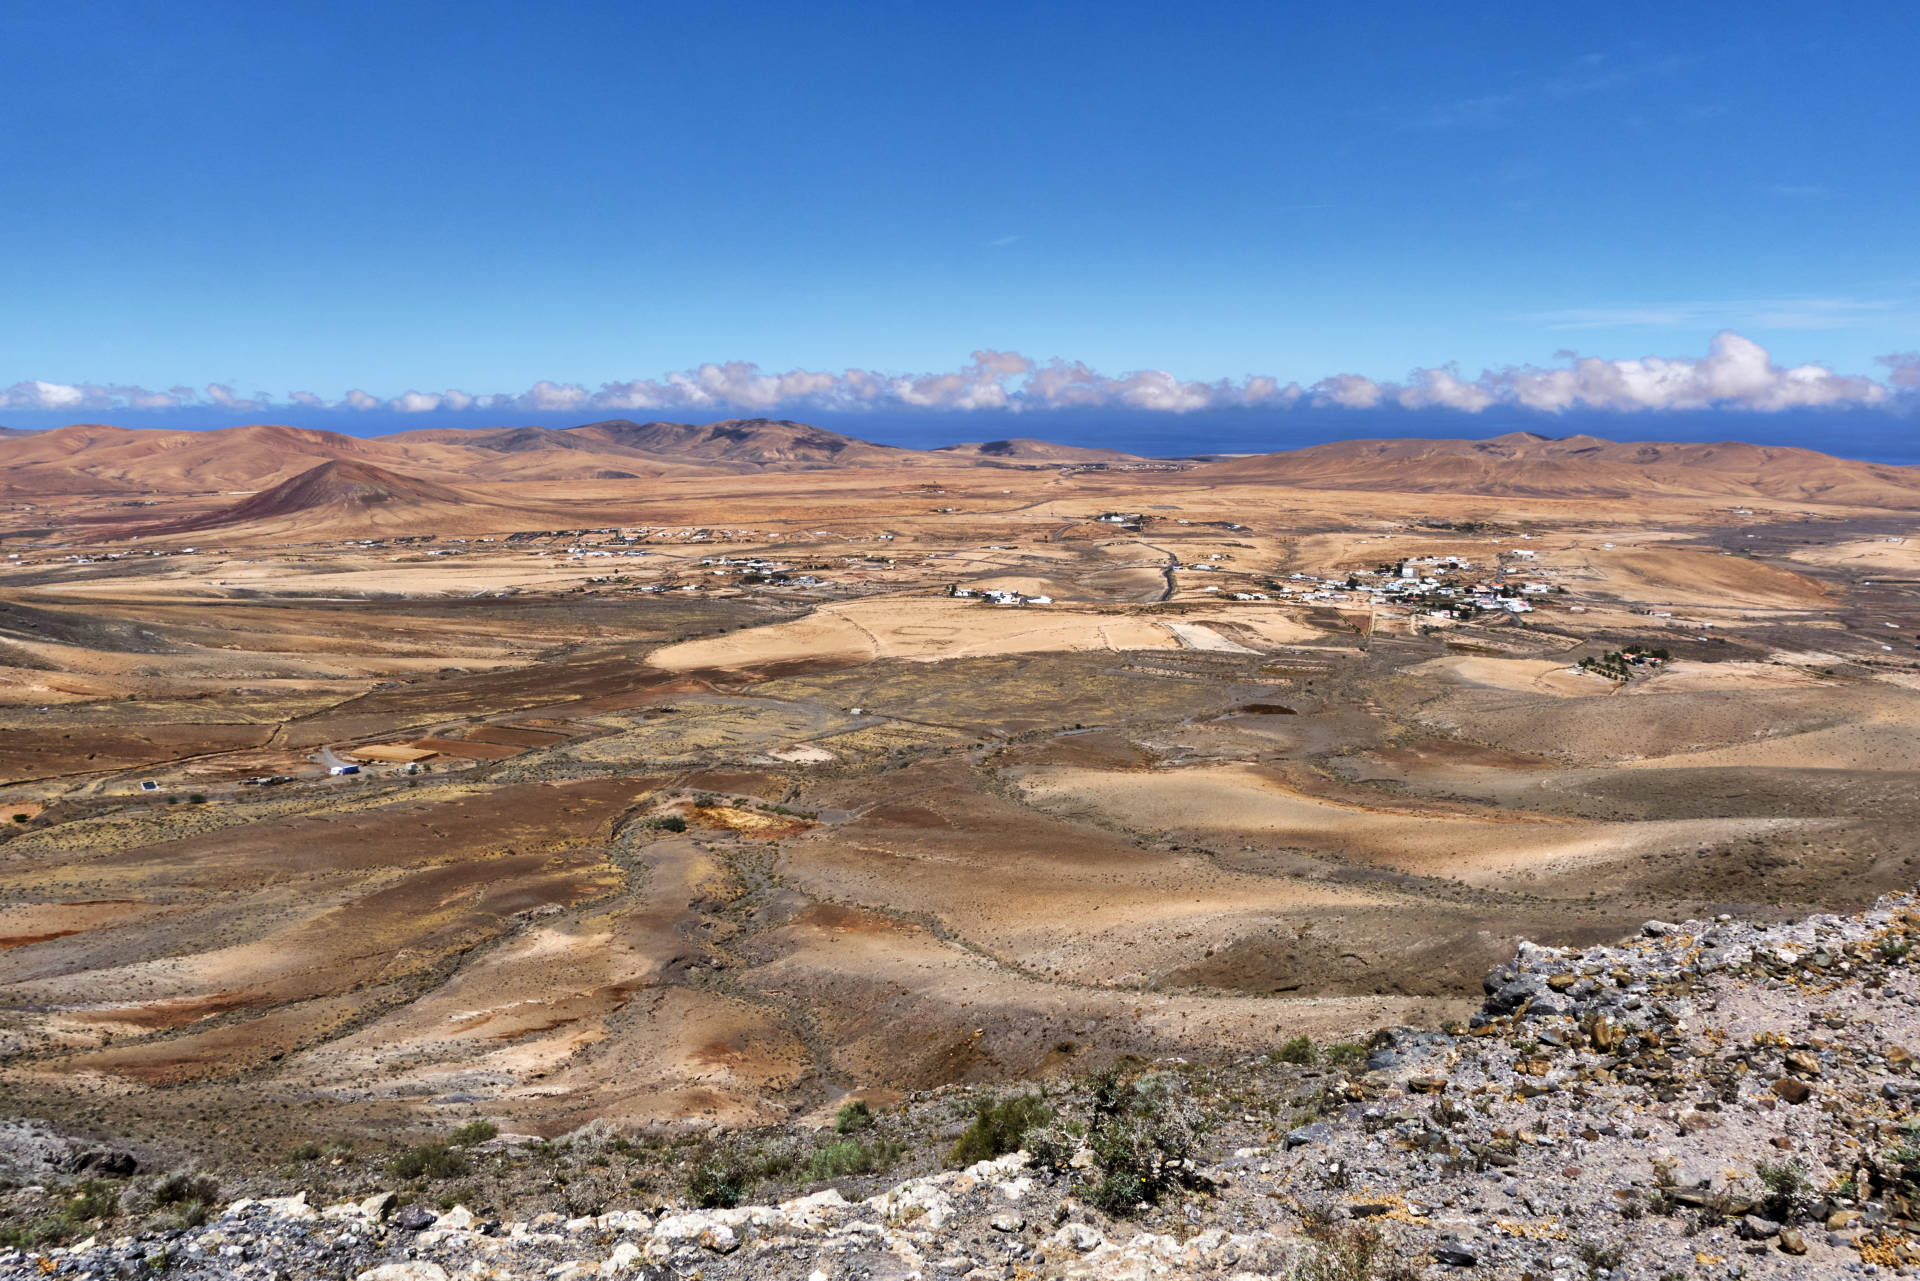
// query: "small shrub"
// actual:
[[184, 1189], [472, 1133], [1786, 1198], [718, 1180], [1353, 1253], [999, 1127], [854, 1117], [1345, 1054], [1143, 1136], [185, 1201], [45, 1230], [197, 798], [305, 1152], [1116, 1192], [430, 1161], [23, 818], [837, 1160], [1298, 1050], [94, 1200], [1599, 1258], [670, 823]]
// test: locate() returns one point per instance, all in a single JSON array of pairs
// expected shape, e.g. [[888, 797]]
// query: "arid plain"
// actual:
[[678, 776]]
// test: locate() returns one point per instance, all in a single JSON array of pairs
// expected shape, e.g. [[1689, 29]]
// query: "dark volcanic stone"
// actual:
[[113, 1165], [413, 1218]]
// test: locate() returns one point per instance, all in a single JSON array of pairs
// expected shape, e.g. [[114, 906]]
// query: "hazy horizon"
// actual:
[[1870, 436]]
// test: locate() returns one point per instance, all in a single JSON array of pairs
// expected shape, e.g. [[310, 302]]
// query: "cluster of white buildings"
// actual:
[[1002, 597]]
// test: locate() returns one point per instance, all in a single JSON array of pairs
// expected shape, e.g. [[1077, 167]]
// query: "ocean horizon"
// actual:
[[1870, 435]]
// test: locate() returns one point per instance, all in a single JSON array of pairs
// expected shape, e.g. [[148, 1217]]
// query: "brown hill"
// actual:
[[772, 443], [95, 458], [91, 458], [657, 448], [1025, 449], [341, 497], [1523, 464]]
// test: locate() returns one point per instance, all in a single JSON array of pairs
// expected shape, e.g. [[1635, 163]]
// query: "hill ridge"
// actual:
[[339, 487]]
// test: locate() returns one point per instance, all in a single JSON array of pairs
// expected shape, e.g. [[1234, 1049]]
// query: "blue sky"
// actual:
[[218, 202]]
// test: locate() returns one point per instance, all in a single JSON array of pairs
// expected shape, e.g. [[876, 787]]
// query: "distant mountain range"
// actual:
[[274, 476], [1525, 464], [99, 459]]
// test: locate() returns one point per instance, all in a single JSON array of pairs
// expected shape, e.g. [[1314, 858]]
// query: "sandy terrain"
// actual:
[[732, 809], [1489, 850], [928, 629]]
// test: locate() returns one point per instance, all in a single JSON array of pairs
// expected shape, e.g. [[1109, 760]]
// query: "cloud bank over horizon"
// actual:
[[1736, 373]]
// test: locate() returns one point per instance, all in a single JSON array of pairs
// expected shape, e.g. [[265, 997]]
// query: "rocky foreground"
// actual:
[[1713, 1099]]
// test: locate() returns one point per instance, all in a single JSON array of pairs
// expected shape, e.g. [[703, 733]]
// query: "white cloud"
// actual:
[[1350, 391], [1903, 369], [52, 395], [1442, 388], [1736, 372], [224, 397]]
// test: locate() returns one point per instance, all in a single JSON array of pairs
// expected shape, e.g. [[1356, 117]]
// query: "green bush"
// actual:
[[1116, 1192], [186, 1201], [430, 1161], [718, 1180], [34, 1233], [837, 1160], [1787, 1196], [670, 823], [1298, 1050], [473, 1132], [1143, 1143], [94, 1200], [999, 1127], [1142, 1133], [23, 818], [184, 1189], [854, 1117], [1345, 1054]]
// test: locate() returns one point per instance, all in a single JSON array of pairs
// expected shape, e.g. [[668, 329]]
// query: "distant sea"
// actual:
[[1874, 435]]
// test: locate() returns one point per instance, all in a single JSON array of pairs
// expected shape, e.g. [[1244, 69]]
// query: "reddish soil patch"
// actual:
[[467, 749], [21, 940], [166, 1014], [847, 920], [53, 753], [1452, 753], [514, 736]]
